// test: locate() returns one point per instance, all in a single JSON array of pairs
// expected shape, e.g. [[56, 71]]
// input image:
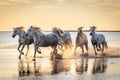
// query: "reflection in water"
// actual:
[[72, 66], [81, 65], [99, 65]]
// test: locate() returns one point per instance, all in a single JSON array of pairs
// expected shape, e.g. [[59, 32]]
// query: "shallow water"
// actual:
[[70, 67], [112, 38], [82, 68]]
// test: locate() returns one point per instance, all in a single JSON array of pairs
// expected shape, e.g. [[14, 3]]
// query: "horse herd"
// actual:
[[57, 39]]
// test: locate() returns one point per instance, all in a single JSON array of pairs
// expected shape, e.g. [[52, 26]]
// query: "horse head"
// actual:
[[92, 30], [33, 32], [29, 32], [80, 30], [17, 31], [54, 30]]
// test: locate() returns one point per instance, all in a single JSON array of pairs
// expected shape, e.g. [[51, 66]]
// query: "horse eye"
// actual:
[[23, 37], [15, 31]]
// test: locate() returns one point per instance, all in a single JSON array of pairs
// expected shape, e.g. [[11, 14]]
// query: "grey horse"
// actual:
[[43, 40], [22, 39]]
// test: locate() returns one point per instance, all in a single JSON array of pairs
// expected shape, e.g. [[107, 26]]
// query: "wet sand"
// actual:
[[68, 68]]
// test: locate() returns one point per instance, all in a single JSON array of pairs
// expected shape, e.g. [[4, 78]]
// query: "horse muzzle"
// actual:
[[13, 36], [90, 34], [26, 35]]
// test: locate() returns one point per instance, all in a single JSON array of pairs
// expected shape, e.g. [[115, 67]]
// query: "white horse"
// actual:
[[63, 36], [81, 40], [22, 39], [97, 40], [42, 40]]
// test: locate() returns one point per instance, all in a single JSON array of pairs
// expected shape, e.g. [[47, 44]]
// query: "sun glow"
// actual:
[[65, 14]]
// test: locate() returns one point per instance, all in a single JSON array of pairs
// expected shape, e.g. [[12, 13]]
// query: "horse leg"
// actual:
[[75, 50], [86, 46], [99, 47], [54, 51], [102, 48], [35, 53], [19, 47], [27, 50], [82, 49], [19, 50], [22, 49], [94, 49]]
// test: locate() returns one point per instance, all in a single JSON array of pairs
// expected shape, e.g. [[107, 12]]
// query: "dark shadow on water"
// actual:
[[58, 66], [99, 65]]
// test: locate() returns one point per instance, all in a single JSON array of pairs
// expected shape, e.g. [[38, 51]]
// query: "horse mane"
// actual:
[[36, 28], [21, 28], [58, 30], [94, 27]]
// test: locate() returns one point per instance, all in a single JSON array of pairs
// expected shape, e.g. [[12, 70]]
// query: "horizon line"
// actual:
[[76, 31]]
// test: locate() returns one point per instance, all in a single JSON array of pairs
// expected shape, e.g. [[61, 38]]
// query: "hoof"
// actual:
[[95, 53], [22, 53], [19, 57], [34, 59], [98, 49], [103, 54]]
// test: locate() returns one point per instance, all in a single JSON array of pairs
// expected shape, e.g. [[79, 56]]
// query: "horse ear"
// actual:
[[13, 28], [95, 27], [22, 27]]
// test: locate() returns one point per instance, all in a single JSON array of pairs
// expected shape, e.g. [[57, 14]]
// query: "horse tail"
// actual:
[[106, 46], [39, 50]]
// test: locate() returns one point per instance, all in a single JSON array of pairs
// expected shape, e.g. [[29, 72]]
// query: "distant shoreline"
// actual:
[[76, 31]]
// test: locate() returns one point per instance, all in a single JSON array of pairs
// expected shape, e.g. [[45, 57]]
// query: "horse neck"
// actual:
[[38, 36], [81, 34], [21, 33], [94, 35], [59, 34]]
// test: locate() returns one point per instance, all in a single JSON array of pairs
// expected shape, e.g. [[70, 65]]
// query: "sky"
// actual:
[[65, 14]]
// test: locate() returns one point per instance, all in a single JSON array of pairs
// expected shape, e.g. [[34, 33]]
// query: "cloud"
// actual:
[[102, 4], [46, 6], [10, 2], [88, 1], [20, 1], [60, 1], [4, 3], [115, 13]]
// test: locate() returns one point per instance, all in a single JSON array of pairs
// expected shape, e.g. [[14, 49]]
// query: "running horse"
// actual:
[[43, 40], [22, 39], [65, 37], [81, 40], [98, 40]]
